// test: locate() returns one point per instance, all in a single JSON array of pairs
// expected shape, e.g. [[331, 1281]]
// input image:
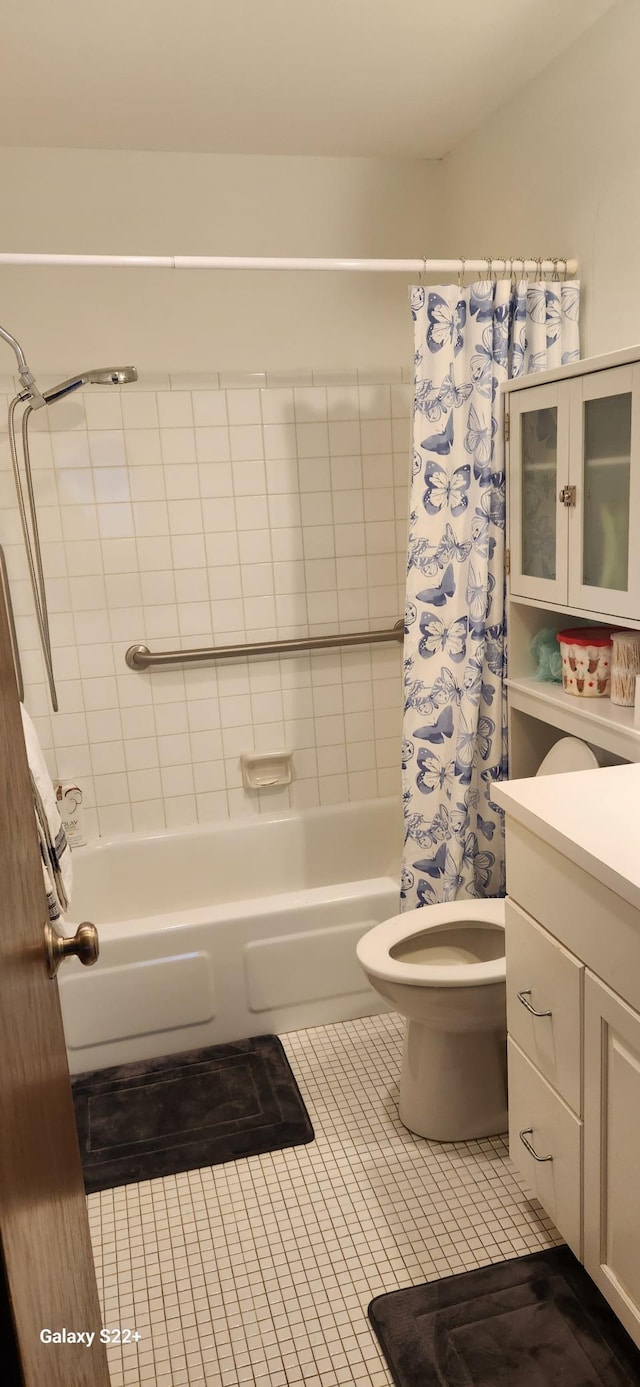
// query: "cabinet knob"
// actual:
[[524, 1135], [522, 997], [567, 495]]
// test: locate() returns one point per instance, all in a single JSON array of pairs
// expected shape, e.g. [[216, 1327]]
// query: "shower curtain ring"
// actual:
[[564, 270], [489, 266], [461, 272], [423, 273], [555, 276], [538, 260]]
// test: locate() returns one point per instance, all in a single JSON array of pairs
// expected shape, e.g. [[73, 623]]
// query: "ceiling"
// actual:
[[387, 78]]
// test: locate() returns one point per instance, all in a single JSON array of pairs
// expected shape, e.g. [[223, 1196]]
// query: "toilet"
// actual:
[[443, 968]]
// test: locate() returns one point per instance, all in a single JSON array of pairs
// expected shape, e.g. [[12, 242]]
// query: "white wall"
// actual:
[[123, 202], [557, 171]]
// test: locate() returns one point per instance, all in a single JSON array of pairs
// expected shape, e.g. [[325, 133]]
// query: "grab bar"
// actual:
[[13, 639], [141, 657]]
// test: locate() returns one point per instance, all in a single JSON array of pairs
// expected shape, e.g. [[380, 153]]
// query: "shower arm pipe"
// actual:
[[423, 265], [141, 657], [32, 545]]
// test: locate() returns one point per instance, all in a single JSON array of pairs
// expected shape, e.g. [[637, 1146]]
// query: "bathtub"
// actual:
[[223, 931]]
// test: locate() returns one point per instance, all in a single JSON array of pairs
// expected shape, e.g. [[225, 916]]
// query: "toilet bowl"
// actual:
[[443, 968]]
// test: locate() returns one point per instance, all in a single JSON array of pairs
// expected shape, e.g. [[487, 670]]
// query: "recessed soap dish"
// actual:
[[265, 768]]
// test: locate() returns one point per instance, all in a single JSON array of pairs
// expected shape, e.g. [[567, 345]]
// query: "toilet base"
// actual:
[[453, 1084]]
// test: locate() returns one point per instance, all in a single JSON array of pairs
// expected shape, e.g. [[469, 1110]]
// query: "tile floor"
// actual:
[[260, 1271]]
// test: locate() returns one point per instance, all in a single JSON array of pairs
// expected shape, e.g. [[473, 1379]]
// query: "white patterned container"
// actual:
[[586, 660], [625, 664]]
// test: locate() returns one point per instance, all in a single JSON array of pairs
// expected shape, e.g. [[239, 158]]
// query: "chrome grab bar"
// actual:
[[141, 657], [522, 997], [528, 1132], [6, 593]]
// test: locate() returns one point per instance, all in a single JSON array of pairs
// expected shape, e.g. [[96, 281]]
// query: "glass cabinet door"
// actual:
[[604, 473], [539, 486], [537, 473]]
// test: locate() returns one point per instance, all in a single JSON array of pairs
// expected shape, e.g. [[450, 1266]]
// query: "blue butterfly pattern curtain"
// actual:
[[467, 341]]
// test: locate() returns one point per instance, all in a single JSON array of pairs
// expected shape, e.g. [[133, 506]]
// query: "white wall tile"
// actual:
[[251, 513], [245, 441], [249, 478], [163, 522], [146, 483], [210, 408], [148, 816], [75, 486], [70, 449], [213, 444], [107, 447], [279, 440], [243, 407], [139, 410], [277, 405], [143, 447], [174, 409], [111, 483]]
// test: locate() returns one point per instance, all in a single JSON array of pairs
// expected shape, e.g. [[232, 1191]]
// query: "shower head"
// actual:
[[103, 375]]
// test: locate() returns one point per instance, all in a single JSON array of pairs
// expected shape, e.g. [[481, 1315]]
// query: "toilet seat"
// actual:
[[375, 956]]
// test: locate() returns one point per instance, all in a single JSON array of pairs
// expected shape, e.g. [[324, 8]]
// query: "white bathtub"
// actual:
[[223, 931]]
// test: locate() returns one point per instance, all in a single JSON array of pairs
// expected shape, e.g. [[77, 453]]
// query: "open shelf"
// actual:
[[595, 720], [570, 613]]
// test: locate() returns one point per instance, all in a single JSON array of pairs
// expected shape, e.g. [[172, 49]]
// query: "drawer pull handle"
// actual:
[[522, 997], [528, 1132]]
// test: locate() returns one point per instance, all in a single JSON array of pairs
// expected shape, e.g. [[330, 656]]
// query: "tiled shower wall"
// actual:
[[185, 511]]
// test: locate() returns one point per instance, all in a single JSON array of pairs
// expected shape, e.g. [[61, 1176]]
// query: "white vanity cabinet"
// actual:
[[573, 1014]]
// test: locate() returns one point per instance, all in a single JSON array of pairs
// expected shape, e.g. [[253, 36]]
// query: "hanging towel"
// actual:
[[54, 848]]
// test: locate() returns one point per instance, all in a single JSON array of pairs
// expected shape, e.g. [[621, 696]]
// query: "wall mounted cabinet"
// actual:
[[574, 481], [573, 526]]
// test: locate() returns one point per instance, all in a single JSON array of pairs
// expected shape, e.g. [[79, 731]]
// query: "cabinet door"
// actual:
[[604, 469], [612, 1150], [538, 471]]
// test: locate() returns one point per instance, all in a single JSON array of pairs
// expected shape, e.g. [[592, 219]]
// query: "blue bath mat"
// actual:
[[199, 1108]]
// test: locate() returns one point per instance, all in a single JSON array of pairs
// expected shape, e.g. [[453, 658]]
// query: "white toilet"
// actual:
[[443, 968]]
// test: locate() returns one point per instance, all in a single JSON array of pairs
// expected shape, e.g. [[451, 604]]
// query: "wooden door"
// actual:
[[47, 1265], [604, 472], [612, 1150], [538, 472]]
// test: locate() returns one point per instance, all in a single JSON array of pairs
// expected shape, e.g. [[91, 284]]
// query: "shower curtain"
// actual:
[[467, 341]]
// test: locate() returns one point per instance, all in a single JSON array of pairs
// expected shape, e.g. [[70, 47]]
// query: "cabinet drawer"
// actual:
[[599, 927], [544, 976], [552, 1130]]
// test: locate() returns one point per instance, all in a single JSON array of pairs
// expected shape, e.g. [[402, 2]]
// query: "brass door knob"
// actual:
[[84, 944]]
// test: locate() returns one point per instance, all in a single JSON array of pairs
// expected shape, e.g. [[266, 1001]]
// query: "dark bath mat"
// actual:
[[198, 1108], [537, 1321]]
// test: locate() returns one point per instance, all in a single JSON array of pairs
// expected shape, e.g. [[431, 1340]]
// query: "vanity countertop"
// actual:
[[592, 817]]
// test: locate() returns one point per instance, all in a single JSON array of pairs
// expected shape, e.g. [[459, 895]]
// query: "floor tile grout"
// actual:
[[260, 1271]]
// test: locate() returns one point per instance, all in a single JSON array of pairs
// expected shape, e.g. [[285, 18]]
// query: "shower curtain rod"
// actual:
[[486, 265]]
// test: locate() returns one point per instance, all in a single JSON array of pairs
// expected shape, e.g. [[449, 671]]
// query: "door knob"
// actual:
[[84, 944]]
